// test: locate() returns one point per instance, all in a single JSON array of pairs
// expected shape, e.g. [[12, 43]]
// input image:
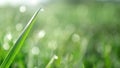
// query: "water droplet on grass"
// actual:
[[22, 9], [42, 9], [6, 46], [35, 50], [55, 57], [41, 34], [19, 27], [8, 37]]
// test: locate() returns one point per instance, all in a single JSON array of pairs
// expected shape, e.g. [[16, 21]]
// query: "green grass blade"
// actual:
[[19, 43]]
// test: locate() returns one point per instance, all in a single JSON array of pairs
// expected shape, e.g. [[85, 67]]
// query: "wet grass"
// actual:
[[64, 36], [19, 43]]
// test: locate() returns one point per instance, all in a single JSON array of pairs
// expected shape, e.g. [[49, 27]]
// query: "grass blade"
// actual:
[[19, 43]]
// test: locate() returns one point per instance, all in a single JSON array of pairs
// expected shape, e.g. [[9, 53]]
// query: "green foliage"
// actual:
[[19, 43], [85, 35]]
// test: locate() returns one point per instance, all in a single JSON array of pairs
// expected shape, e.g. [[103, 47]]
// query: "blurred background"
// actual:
[[67, 33]]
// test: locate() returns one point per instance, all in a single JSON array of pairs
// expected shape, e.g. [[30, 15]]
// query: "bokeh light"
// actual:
[[22, 9], [35, 50], [41, 34], [19, 27], [68, 34]]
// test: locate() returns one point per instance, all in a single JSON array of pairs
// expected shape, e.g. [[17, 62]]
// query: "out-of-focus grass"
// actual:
[[19, 43], [85, 35]]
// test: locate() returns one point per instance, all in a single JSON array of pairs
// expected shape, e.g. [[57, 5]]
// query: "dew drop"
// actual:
[[41, 34], [35, 50], [6, 46], [19, 27], [42, 10], [8, 37], [22, 9], [55, 57]]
